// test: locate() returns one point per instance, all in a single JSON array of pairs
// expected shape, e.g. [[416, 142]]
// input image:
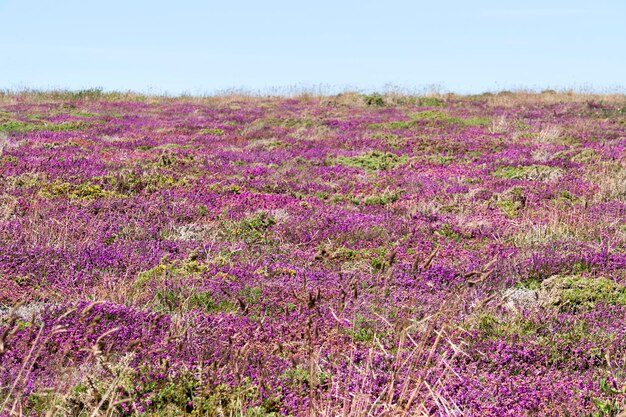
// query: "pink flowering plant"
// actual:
[[350, 255]]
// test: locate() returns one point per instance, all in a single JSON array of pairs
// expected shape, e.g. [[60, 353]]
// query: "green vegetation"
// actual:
[[185, 394], [374, 100], [439, 159], [373, 161], [213, 131], [18, 126], [511, 201], [253, 229], [172, 300], [362, 330], [166, 269], [381, 200], [446, 118], [577, 293], [174, 289], [430, 102], [376, 257], [509, 208], [495, 327], [300, 376], [446, 231], [394, 141], [84, 191], [584, 156], [433, 115], [477, 121], [430, 116], [610, 406]]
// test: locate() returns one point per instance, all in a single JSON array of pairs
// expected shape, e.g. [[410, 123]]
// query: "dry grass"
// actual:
[[524, 98], [499, 124], [554, 230], [4, 142], [347, 98], [421, 350], [549, 134], [610, 178]]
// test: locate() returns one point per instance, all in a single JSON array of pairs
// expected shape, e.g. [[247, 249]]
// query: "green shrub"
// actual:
[[374, 100], [89, 93]]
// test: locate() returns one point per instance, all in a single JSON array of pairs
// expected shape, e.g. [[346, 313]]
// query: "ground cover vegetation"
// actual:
[[348, 255]]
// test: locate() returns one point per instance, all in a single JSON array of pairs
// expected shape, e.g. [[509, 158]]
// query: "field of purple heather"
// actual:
[[346, 255]]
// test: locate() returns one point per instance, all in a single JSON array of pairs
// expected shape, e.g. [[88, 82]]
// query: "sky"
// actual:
[[207, 47]]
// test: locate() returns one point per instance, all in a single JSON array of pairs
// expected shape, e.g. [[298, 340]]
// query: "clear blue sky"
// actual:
[[207, 46]]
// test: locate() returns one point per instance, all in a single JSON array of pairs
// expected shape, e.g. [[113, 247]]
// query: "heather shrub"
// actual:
[[354, 255]]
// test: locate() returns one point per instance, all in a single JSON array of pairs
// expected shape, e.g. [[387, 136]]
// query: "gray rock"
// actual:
[[24, 312], [518, 299]]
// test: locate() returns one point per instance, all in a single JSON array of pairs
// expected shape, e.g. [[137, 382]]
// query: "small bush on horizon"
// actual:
[[374, 100]]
